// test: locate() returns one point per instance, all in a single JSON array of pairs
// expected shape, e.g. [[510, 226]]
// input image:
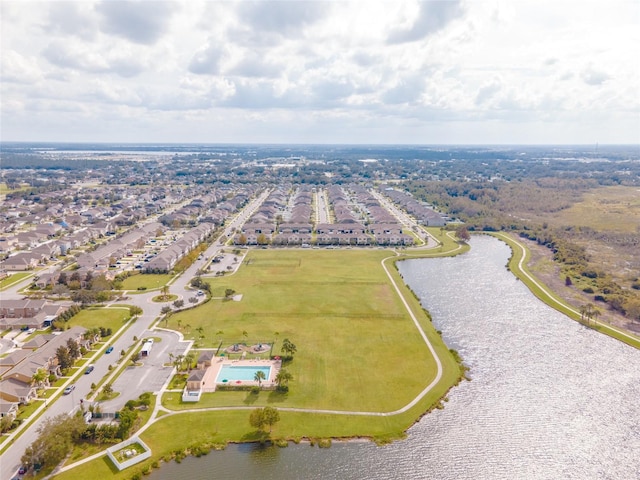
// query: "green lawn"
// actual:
[[112, 318], [357, 346], [358, 350], [148, 281], [13, 278]]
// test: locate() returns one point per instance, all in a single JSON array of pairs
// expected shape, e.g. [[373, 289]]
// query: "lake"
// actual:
[[548, 397]]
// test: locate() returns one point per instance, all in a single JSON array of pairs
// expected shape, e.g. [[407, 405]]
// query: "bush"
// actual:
[[587, 290], [255, 390], [142, 288]]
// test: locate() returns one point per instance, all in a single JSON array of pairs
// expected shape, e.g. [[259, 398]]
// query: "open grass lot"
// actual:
[[357, 347], [148, 281], [100, 317], [358, 350]]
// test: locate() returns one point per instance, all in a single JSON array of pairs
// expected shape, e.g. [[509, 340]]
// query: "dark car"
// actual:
[[89, 369], [22, 470], [109, 350]]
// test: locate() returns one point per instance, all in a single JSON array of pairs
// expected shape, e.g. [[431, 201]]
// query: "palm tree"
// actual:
[[595, 314], [583, 312], [39, 377], [165, 291], [189, 357], [288, 348], [259, 376], [283, 377], [178, 362]]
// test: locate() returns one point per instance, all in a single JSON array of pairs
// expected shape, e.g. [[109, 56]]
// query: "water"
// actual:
[[549, 399], [232, 373]]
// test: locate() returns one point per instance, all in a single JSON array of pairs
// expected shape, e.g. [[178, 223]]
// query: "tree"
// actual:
[[128, 418], [39, 377], [259, 377], [135, 311], [107, 389], [135, 358], [178, 304], [166, 311], [283, 377], [5, 424], [178, 362], [271, 416], [463, 234], [55, 440], [189, 358], [165, 291], [73, 348], [264, 416], [64, 359], [288, 348]]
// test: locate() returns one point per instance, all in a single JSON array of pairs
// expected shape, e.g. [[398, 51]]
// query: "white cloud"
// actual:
[[307, 71], [140, 21]]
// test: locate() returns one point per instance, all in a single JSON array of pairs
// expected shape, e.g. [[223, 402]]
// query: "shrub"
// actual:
[[587, 290]]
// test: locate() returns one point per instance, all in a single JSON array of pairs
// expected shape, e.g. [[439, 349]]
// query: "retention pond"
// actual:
[[548, 399]]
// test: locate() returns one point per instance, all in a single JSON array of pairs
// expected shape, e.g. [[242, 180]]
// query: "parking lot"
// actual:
[[151, 373]]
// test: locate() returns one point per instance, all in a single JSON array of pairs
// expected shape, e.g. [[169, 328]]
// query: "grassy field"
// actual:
[[357, 346], [112, 318], [613, 209], [357, 350], [148, 281]]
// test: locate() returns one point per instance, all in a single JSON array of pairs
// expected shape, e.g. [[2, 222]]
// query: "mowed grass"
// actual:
[[147, 281], [358, 348], [112, 318], [13, 278]]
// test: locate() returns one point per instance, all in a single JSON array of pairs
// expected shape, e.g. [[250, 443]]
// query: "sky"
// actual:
[[322, 72]]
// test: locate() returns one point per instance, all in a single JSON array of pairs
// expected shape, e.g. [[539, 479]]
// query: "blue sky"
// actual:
[[405, 71]]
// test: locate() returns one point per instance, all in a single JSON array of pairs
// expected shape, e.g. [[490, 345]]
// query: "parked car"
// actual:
[[89, 369], [69, 389], [110, 349], [22, 470]]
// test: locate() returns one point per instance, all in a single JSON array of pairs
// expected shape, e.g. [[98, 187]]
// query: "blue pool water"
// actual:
[[232, 373]]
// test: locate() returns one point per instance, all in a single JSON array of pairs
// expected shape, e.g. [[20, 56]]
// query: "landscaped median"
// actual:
[[362, 368]]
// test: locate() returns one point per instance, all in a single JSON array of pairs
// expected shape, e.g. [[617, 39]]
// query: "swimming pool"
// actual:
[[231, 373]]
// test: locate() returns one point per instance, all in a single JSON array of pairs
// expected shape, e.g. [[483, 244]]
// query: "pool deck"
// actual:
[[209, 380]]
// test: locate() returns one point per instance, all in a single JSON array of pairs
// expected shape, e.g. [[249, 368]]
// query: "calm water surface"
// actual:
[[549, 399]]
